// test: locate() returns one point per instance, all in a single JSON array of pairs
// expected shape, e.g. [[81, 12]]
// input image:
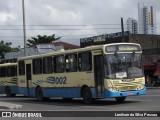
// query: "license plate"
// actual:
[[129, 93]]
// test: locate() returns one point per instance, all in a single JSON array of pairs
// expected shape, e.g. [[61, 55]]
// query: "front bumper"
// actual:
[[111, 94]]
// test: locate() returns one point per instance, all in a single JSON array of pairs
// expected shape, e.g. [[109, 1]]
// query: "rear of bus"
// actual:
[[8, 79]]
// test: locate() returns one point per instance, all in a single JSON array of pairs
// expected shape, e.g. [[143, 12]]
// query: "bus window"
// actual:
[[71, 63], [85, 61], [47, 65], [3, 72], [37, 66], [59, 64], [11, 71], [21, 67]]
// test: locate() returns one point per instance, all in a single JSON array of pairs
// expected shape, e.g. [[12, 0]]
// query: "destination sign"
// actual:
[[123, 48]]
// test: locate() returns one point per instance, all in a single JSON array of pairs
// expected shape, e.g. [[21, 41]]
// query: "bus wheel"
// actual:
[[87, 96], [39, 94], [120, 99], [8, 92]]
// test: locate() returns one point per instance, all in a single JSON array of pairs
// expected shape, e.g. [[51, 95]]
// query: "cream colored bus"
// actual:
[[95, 72], [8, 79]]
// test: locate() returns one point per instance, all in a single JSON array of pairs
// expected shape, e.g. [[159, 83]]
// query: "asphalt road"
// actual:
[[149, 102]]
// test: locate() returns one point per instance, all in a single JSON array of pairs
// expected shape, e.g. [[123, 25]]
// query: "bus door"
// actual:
[[99, 75], [28, 77]]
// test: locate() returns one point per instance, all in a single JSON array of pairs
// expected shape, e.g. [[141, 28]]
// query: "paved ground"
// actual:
[[150, 102]]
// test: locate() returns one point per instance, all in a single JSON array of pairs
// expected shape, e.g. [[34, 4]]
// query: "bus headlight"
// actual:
[[140, 87], [114, 89]]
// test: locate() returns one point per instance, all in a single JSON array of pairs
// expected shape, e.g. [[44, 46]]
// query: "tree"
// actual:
[[6, 47], [41, 40]]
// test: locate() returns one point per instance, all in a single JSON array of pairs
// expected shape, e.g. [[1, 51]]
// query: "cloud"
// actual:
[[5, 17], [67, 12]]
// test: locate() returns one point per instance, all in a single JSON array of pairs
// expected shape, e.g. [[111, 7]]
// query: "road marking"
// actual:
[[153, 95], [141, 100], [95, 107]]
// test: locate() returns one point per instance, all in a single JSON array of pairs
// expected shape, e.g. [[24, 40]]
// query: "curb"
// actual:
[[4, 105]]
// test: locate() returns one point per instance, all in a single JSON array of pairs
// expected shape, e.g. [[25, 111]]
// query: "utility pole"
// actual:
[[122, 28], [24, 28]]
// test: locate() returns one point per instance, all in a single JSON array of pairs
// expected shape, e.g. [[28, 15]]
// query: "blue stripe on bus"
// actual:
[[56, 92], [111, 94], [14, 89], [2, 89]]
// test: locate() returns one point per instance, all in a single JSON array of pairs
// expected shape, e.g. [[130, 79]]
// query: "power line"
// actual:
[[62, 29], [65, 25], [56, 36], [68, 25]]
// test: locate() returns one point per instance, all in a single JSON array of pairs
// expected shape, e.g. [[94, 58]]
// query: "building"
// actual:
[[67, 46], [132, 25], [150, 45], [38, 49], [146, 19]]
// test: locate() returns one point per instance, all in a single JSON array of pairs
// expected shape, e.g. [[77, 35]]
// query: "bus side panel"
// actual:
[[57, 92], [10, 82], [54, 92], [23, 91], [2, 89], [14, 89], [61, 92]]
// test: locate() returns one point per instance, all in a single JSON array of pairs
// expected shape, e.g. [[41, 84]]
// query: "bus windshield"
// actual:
[[123, 65]]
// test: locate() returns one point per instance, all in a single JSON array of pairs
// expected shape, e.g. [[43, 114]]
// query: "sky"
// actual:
[[68, 19]]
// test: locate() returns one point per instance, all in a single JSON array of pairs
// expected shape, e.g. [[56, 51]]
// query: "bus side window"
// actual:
[[85, 61], [71, 63], [11, 71], [21, 66], [59, 64], [37, 66], [3, 72], [47, 65]]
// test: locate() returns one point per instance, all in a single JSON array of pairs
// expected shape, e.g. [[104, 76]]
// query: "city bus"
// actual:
[[8, 79], [94, 72]]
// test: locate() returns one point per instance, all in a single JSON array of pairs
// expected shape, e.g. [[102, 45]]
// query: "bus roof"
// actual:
[[88, 48], [7, 64]]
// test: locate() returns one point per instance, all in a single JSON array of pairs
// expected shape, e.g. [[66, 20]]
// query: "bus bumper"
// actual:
[[111, 94]]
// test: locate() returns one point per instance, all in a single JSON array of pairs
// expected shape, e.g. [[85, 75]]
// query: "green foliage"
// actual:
[[6, 47], [41, 40]]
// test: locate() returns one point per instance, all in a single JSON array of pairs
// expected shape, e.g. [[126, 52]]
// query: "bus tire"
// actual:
[[87, 95], [120, 99], [8, 92], [39, 94]]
